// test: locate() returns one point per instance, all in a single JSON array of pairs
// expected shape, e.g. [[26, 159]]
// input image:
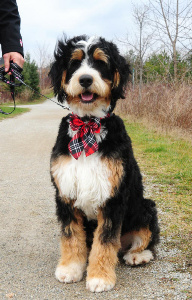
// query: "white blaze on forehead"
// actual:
[[86, 44]]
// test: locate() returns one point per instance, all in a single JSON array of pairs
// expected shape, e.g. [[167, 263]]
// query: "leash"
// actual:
[[16, 74], [12, 85]]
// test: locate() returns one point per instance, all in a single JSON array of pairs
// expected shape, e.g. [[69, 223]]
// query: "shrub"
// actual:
[[167, 105]]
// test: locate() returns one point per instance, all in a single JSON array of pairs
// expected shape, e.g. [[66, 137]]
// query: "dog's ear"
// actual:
[[120, 78], [62, 56], [58, 68], [121, 72]]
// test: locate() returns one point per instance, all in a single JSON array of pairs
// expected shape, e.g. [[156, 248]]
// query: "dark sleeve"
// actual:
[[10, 37]]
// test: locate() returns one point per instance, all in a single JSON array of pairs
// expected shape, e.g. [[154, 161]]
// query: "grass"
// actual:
[[16, 112], [40, 100], [167, 163], [5, 106]]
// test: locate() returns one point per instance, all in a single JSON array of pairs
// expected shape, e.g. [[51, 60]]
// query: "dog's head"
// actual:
[[90, 74]]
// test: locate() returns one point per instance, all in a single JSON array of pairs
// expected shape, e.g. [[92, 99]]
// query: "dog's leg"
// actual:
[[103, 257], [73, 251], [139, 241]]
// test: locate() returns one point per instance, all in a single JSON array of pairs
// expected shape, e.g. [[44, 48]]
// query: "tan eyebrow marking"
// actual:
[[77, 54], [100, 55]]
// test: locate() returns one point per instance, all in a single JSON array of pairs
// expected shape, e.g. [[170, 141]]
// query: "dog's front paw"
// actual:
[[99, 285], [135, 259], [70, 273]]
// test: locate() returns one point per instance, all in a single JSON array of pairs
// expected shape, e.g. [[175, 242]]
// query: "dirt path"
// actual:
[[29, 240]]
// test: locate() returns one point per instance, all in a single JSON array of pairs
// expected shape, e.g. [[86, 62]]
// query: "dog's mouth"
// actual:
[[88, 97]]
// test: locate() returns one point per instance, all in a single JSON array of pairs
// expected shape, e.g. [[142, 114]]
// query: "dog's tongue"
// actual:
[[87, 96]]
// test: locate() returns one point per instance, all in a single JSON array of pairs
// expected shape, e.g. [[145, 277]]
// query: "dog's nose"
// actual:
[[85, 80]]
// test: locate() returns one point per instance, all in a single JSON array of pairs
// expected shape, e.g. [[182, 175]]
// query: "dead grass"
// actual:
[[166, 106]]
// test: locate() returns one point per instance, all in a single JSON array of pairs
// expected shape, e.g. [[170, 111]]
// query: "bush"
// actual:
[[165, 104]]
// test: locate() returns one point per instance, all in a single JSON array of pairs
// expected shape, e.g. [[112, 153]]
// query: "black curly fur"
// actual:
[[127, 210]]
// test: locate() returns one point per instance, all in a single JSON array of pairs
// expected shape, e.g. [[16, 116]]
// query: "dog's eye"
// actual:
[[101, 65], [103, 68], [75, 62], [100, 62]]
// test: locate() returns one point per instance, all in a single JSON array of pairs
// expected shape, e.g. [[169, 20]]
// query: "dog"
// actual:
[[99, 191]]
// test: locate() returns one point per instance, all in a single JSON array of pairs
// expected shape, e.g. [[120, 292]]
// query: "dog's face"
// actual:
[[90, 74]]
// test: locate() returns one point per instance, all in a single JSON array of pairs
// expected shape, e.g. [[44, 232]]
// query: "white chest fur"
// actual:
[[85, 180]]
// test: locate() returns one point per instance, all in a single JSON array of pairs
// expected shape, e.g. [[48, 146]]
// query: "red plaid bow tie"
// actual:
[[84, 139]]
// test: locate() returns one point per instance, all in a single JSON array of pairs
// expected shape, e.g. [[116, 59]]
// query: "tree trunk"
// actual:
[[175, 62], [141, 65]]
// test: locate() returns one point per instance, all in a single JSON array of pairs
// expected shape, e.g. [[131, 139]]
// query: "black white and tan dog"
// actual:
[[99, 191]]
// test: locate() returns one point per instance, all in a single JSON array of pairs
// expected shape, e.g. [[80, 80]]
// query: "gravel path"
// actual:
[[29, 247]]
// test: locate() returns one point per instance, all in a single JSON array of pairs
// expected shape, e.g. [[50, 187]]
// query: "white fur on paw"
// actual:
[[98, 285], [70, 273], [135, 259]]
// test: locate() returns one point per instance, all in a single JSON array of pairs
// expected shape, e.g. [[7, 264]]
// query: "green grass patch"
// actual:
[[50, 94], [5, 106], [16, 112], [167, 162]]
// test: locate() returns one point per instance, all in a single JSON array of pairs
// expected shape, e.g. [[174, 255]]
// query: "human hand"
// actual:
[[15, 57]]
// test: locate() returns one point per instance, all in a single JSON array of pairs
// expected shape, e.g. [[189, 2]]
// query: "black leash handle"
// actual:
[[16, 74], [11, 82]]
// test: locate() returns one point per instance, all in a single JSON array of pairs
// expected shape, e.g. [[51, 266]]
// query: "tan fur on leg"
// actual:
[[102, 261], [73, 252], [115, 168]]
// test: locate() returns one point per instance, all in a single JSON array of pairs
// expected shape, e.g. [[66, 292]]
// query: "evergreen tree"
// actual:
[[31, 77], [161, 66], [157, 66]]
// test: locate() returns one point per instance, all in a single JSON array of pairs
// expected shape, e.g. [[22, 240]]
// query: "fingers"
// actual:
[[15, 57], [18, 59], [6, 58]]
